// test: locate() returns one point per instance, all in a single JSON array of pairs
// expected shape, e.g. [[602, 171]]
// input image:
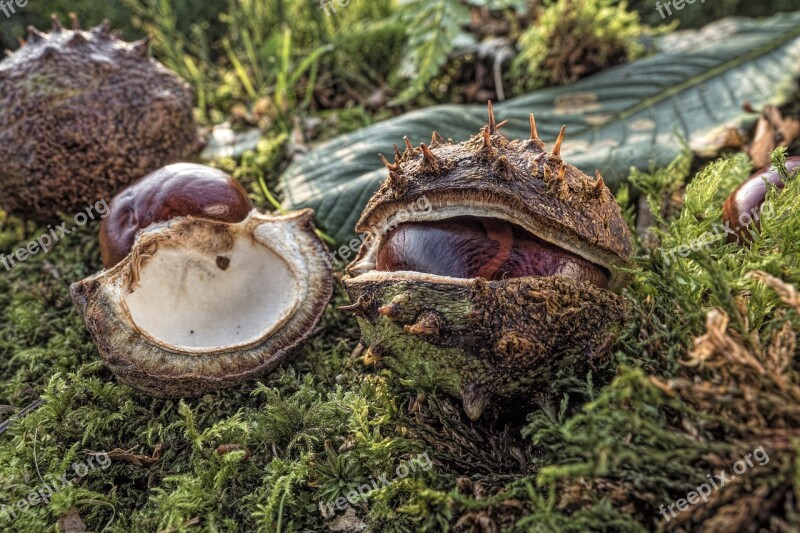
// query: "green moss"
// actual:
[[636, 433], [631, 436], [603, 453], [574, 39], [636, 447]]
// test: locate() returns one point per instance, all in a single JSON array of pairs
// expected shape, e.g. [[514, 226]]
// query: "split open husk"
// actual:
[[199, 305]]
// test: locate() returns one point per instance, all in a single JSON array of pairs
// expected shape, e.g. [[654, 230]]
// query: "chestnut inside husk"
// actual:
[[743, 207], [507, 282], [480, 247], [201, 291]]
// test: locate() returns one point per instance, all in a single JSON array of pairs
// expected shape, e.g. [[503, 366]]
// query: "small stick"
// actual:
[[25, 411]]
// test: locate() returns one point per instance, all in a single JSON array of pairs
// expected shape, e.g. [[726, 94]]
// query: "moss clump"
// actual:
[[707, 375], [573, 39]]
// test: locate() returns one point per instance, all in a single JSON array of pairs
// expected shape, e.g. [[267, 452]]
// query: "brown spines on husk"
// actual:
[[126, 115]]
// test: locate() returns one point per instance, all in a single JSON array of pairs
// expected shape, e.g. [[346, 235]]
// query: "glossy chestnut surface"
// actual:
[[479, 247], [173, 191], [743, 206]]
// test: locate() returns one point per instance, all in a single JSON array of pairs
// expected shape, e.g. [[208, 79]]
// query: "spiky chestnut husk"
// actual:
[[491, 342], [83, 114], [173, 191], [517, 181], [200, 304]]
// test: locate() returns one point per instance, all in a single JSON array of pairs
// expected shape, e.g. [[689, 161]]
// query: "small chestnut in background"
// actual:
[[480, 247], [178, 190], [743, 206]]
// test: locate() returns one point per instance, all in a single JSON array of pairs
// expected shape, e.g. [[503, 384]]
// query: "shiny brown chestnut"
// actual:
[[743, 206], [480, 247], [178, 190]]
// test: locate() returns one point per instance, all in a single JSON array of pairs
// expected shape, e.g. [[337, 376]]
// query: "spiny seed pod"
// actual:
[[177, 190], [742, 210], [510, 277], [83, 114]]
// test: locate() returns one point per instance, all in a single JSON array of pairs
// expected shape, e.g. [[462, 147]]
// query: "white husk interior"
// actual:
[[185, 299]]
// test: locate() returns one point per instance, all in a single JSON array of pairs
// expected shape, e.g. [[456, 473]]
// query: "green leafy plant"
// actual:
[[631, 116], [269, 54], [435, 29]]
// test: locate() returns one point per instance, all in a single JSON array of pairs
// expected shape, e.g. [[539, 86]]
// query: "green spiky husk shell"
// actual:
[[83, 114]]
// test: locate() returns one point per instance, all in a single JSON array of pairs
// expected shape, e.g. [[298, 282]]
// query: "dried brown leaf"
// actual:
[[71, 522]]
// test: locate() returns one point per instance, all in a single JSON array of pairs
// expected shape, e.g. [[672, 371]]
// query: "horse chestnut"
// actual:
[[743, 206], [507, 279], [83, 114], [480, 247], [177, 190]]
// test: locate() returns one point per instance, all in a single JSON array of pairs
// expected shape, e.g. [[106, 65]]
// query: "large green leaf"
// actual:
[[630, 116]]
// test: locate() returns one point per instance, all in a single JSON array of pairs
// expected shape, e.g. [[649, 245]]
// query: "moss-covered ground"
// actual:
[[704, 374]]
